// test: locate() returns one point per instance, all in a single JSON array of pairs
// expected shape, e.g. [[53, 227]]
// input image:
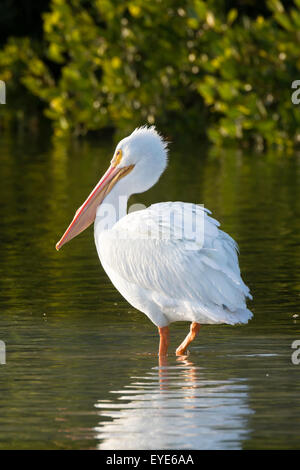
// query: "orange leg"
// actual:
[[164, 340], [194, 330]]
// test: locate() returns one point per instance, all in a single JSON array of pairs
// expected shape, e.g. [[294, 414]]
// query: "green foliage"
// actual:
[[183, 64]]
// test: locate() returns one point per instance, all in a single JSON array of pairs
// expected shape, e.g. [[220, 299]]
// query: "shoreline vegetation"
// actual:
[[205, 68]]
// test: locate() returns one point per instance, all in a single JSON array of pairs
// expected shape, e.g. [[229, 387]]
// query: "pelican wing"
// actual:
[[157, 250]]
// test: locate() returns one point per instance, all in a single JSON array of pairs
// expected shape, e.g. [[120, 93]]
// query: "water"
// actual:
[[81, 366]]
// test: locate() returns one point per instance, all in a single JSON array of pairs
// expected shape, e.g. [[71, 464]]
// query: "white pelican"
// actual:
[[166, 276]]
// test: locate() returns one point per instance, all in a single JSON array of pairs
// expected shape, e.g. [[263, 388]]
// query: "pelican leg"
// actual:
[[164, 340], [194, 330]]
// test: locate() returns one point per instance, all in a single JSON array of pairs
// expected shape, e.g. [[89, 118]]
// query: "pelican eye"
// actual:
[[118, 157]]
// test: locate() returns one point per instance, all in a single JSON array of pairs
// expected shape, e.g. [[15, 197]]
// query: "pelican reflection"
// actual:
[[175, 405]]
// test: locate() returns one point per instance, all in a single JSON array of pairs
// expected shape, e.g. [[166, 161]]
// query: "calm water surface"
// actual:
[[81, 367]]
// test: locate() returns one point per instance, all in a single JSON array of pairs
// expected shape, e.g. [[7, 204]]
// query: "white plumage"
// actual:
[[168, 280], [170, 261]]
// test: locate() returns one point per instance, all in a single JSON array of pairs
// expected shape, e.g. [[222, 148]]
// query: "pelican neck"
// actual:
[[111, 210]]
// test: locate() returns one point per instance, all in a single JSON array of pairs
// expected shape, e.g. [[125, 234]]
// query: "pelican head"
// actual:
[[137, 163]]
